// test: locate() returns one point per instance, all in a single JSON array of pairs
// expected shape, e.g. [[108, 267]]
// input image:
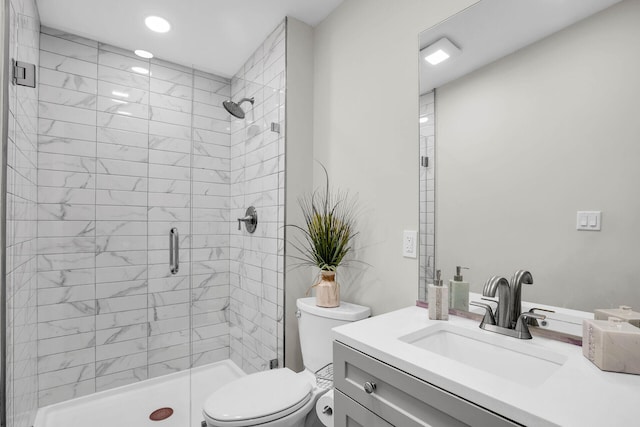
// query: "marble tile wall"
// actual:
[[211, 220], [128, 149], [21, 231], [257, 179], [427, 193]]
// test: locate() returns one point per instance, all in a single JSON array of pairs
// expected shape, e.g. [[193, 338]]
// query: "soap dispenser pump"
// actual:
[[459, 291], [438, 297]]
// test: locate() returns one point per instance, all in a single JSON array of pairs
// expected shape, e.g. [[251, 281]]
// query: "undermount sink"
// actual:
[[505, 357]]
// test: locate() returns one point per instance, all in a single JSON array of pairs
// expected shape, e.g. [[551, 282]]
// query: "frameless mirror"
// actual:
[[534, 121]]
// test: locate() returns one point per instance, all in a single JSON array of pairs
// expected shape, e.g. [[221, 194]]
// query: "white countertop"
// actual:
[[577, 394]]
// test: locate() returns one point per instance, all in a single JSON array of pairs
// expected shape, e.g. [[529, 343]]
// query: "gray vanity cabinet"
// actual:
[[372, 393], [350, 413]]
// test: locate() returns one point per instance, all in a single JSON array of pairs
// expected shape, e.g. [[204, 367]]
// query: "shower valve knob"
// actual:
[[250, 220]]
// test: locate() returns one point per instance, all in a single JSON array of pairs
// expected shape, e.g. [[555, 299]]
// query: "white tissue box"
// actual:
[[612, 346]]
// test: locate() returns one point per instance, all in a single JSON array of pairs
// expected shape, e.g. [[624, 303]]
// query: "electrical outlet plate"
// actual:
[[410, 244]]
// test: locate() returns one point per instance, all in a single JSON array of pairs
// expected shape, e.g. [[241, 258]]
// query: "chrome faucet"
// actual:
[[519, 278], [503, 310], [507, 320]]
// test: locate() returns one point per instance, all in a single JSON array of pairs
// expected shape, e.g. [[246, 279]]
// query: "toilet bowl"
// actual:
[[281, 397]]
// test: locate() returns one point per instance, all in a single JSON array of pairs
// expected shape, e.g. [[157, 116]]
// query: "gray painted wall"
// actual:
[[299, 166]]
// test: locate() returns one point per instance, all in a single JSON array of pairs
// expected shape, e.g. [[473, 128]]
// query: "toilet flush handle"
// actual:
[[298, 314]]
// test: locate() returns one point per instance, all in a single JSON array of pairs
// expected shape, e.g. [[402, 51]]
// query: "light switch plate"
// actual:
[[589, 221], [410, 244]]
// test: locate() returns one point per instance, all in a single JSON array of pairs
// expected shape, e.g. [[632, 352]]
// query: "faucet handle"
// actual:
[[521, 325], [531, 321], [488, 318]]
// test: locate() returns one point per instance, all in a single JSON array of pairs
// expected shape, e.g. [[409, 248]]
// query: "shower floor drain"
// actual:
[[161, 414]]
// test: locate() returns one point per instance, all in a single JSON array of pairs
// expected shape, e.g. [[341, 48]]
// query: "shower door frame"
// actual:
[[4, 119]]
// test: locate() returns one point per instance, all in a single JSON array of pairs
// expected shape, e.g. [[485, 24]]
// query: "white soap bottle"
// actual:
[[459, 291], [438, 298]]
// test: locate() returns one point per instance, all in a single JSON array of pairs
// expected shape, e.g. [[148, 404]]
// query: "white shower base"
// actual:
[[131, 405]]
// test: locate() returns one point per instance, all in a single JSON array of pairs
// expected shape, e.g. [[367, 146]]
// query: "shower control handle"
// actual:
[[174, 250], [250, 220]]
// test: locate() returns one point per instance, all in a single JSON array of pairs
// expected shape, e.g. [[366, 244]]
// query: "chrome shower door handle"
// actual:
[[174, 250]]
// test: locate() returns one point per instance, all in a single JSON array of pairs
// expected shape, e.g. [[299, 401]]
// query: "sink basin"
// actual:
[[505, 357]]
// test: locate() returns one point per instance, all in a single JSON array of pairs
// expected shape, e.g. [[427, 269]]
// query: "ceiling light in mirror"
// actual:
[[157, 24], [424, 119], [143, 54], [120, 94], [440, 51], [437, 57], [140, 70]]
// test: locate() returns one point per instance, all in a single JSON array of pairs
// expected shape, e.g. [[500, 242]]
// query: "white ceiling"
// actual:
[[211, 35], [491, 29]]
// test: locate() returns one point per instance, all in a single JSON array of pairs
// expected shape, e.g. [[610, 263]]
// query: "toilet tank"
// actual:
[[314, 327]]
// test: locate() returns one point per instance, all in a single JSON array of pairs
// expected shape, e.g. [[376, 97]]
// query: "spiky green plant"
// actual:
[[329, 227]]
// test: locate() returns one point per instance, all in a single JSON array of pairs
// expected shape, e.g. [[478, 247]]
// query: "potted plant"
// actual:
[[328, 232]]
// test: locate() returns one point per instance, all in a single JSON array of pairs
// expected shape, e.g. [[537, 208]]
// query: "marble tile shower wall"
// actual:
[[124, 156], [21, 231], [257, 179], [427, 192]]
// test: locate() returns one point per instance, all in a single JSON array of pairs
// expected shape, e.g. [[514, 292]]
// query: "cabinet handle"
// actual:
[[369, 387]]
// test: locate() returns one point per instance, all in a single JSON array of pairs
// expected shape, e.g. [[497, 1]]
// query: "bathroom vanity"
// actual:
[[403, 369]]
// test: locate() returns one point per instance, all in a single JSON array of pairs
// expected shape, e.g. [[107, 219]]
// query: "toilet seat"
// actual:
[[258, 398]]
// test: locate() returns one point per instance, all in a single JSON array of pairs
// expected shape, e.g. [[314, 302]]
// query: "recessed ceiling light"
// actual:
[[440, 51], [120, 94], [143, 54], [157, 24], [424, 119], [140, 70]]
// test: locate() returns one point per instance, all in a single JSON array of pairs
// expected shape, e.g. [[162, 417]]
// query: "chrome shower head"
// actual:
[[234, 107]]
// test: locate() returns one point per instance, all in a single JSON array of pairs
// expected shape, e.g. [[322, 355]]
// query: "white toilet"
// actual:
[[281, 397]]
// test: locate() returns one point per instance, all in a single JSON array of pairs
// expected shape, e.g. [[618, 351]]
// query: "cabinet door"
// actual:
[[402, 399], [349, 413]]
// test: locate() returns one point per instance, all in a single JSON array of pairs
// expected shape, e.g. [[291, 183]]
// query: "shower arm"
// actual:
[[251, 100]]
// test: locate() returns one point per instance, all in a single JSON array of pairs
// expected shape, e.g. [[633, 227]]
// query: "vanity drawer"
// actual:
[[349, 413], [402, 399]]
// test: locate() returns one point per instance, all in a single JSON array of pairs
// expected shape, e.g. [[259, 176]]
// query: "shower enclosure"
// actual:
[[427, 192], [122, 182]]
